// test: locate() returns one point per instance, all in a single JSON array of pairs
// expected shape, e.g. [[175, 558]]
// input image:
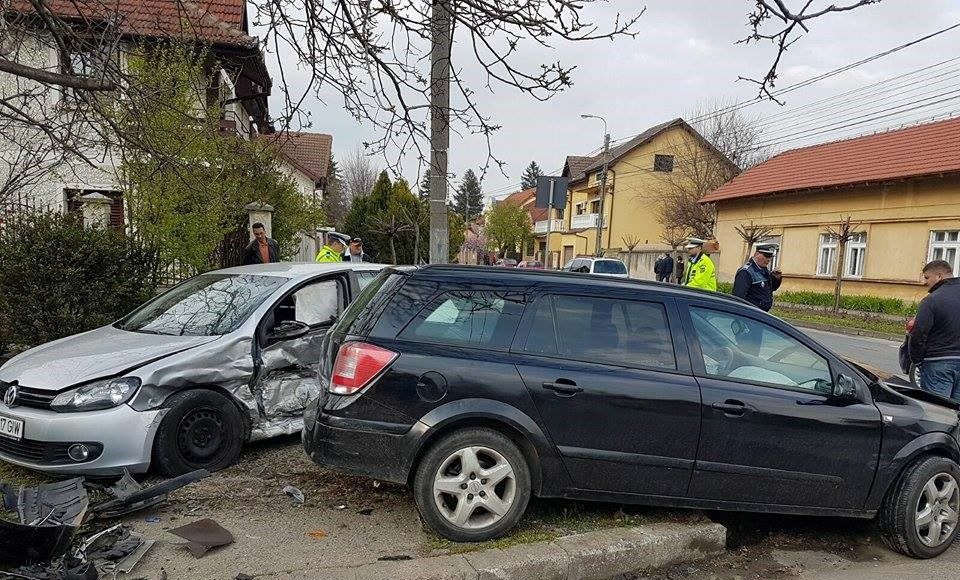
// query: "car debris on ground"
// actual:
[[39, 525], [203, 536]]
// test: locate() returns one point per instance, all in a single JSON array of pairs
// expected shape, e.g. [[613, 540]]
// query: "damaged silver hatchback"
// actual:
[[182, 382]]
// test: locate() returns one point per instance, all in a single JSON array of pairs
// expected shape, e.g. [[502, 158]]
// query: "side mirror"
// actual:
[[288, 330], [846, 388]]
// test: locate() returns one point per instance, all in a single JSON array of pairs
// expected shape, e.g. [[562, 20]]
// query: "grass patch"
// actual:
[[19, 476], [895, 329], [547, 520]]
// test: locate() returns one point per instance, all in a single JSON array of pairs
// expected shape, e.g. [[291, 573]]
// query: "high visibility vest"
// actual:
[[701, 274], [327, 254]]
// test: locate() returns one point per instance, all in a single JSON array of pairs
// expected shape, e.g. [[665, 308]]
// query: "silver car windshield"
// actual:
[[206, 305]]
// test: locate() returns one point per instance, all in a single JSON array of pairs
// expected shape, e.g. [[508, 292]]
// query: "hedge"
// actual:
[[855, 302], [59, 278]]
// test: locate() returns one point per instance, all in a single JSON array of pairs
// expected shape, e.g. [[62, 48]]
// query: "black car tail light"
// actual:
[[357, 365]]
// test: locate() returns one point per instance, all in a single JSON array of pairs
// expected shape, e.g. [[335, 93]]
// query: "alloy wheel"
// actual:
[[938, 509], [475, 487]]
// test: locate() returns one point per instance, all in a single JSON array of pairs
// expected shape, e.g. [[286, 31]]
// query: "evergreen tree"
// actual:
[[468, 201], [424, 192], [364, 211], [530, 176], [335, 202]]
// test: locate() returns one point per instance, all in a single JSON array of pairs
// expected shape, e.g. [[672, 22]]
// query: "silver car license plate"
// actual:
[[11, 428]]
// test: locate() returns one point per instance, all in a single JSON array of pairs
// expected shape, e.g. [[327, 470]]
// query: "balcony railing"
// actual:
[[587, 220], [541, 226]]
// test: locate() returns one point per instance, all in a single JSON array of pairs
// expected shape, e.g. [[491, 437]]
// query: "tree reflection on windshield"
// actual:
[[206, 305]]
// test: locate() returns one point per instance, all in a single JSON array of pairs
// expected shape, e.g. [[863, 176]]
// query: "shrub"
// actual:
[[59, 278], [856, 302]]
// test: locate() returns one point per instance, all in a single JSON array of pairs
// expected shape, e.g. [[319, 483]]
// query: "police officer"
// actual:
[[754, 282], [700, 271], [333, 250]]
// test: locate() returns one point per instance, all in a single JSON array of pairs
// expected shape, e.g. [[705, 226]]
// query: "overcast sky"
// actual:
[[685, 53]]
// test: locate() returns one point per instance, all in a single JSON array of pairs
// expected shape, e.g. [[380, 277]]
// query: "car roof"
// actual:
[[296, 270], [488, 274]]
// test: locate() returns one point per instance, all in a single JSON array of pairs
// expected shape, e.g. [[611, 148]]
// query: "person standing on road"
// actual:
[[701, 272], [333, 250], [754, 282], [262, 249], [679, 270], [935, 340], [663, 268]]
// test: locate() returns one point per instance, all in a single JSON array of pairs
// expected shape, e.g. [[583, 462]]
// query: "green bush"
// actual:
[[860, 303], [59, 278]]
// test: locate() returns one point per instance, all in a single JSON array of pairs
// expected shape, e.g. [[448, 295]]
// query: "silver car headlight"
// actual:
[[99, 395]]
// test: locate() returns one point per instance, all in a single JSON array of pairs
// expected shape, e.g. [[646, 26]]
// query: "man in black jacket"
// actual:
[[663, 268], [935, 340], [263, 249], [754, 282]]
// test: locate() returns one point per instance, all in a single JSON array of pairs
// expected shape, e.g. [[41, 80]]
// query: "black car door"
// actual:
[[612, 391], [772, 431]]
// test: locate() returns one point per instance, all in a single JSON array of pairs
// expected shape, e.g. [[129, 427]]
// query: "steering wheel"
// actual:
[[725, 359]]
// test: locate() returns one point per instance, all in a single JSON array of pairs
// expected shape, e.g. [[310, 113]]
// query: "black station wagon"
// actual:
[[480, 387]]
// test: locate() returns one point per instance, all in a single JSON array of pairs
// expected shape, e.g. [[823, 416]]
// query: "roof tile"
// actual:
[[922, 150], [310, 152]]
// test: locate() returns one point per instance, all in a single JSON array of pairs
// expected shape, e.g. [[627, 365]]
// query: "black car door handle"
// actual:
[[563, 386], [731, 408]]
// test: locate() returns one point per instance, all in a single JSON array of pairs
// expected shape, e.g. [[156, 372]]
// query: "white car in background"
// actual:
[[599, 266]]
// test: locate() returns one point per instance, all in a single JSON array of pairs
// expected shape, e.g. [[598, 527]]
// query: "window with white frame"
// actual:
[[827, 255], [856, 255], [945, 245], [581, 208]]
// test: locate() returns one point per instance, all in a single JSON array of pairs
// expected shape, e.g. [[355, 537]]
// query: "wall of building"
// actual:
[[898, 219], [633, 190]]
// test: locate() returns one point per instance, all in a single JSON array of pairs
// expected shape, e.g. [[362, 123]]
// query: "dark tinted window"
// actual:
[[620, 332], [485, 319], [357, 317], [609, 267]]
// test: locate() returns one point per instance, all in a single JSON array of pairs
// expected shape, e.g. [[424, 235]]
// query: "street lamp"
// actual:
[[603, 180]]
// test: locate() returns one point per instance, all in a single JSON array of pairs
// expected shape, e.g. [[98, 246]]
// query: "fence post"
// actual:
[[259, 213], [96, 210]]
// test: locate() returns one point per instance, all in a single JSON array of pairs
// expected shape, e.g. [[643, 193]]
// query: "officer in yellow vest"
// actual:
[[700, 272], [333, 250]]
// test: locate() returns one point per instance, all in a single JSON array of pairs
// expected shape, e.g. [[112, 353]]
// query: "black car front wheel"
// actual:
[[920, 516], [202, 429], [472, 486]]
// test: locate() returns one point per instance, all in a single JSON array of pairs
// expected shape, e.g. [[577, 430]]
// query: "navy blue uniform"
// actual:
[[756, 285]]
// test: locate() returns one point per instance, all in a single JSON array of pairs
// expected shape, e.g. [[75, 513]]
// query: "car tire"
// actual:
[[202, 429], [915, 518], [467, 507]]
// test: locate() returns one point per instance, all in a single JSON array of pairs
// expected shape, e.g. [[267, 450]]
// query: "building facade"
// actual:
[[900, 189]]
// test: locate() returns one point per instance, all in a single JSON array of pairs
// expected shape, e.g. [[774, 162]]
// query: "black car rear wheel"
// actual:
[[472, 486], [920, 516], [201, 430]]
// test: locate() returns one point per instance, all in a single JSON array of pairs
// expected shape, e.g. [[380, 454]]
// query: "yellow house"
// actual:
[[638, 172], [900, 188]]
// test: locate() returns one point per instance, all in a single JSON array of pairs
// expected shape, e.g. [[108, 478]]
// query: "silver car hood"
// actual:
[[97, 354]]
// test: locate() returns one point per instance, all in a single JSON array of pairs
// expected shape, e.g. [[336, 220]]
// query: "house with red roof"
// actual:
[[236, 76], [901, 188]]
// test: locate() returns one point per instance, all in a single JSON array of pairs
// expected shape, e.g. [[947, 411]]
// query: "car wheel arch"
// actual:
[[935, 444], [165, 393], [518, 432]]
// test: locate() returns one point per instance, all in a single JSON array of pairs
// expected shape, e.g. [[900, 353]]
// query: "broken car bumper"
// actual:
[[358, 447], [115, 439]]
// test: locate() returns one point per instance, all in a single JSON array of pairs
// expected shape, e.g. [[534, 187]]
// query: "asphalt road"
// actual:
[[875, 352]]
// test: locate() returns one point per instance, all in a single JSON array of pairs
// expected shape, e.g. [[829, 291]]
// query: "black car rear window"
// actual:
[[486, 319], [358, 318]]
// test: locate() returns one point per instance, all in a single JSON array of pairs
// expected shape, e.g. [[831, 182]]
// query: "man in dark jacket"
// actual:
[[263, 249], [754, 282], [935, 340], [663, 268]]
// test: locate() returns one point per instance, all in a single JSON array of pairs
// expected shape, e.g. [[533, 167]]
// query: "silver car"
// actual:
[[182, 382]]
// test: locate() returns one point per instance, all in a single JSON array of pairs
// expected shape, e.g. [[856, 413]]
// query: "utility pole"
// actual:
[[440, 24], [603, 192]]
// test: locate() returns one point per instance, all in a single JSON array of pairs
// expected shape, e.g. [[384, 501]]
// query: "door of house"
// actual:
[[567, 255]]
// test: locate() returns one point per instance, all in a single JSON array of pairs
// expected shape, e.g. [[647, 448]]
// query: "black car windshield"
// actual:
[[206, 305], [609, 267]]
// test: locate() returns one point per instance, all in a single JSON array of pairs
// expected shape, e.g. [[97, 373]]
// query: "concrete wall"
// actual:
[[897, 219]]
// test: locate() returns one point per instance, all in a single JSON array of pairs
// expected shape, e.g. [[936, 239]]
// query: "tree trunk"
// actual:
[[841, 253], [439, 130], [393, 237], [416, 243]]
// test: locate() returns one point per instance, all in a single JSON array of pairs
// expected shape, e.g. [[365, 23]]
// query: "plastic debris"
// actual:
[[365, 511], [153, 519], [317, 534], [295, 493], [203, 535], [398, 558], [129, 496], [47, 517], [340, 507], [242, 576]]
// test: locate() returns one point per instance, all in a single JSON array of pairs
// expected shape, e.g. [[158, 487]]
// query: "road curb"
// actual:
[[843, 330], [589, 556]]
